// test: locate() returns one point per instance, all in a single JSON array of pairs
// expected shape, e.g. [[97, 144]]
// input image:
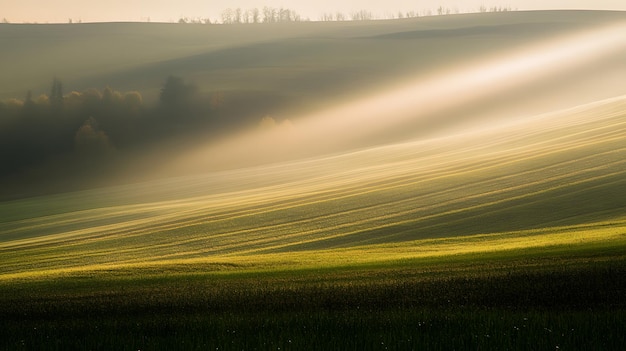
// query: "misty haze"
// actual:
[[261, 179]]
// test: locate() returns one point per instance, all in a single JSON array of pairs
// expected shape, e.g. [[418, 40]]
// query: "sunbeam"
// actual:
[[348, 124]]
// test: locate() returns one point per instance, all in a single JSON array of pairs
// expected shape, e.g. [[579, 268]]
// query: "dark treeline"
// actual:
[[285, 15], [96, 125], [266, 15], [269, 14]]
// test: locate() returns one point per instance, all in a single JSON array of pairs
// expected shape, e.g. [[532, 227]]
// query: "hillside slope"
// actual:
[[421, 129], [307, 62], [564, 169]]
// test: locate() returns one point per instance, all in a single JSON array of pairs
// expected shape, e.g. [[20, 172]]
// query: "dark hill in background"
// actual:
[[240, 74]]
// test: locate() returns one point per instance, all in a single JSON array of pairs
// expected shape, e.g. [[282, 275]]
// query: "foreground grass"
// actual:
[[517, 243], [541, 298], [440, 329]]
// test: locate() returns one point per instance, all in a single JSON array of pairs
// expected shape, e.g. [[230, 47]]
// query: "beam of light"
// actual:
[[337, 127]]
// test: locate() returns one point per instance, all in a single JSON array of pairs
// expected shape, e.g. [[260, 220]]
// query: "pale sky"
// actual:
[[43, 11]]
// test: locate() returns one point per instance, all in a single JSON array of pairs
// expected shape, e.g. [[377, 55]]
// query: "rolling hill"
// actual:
[[440, 160], [307, 63], [558, 178], [449, 182]]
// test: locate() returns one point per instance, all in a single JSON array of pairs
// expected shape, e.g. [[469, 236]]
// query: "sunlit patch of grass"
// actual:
[[609, 234], [397, 246], [494, 237], [552, 180]]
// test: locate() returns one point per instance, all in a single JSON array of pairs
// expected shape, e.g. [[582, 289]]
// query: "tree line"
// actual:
[[96, 124], [269, 14], [285, 15]]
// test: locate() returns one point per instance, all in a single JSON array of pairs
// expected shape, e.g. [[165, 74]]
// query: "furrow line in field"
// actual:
[[387, 188], [441, 214], [330, 194]]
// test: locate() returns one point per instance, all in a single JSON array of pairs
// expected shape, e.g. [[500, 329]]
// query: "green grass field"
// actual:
[[568, 296], [506, 234], [514, 242], [557, 178]]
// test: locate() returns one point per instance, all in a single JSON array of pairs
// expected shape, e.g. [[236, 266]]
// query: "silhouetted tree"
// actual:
[[28, 101], [133, 101], [227, 16], [178, 111], [256, 17], [361, 15], [237, 14], [56, 94], [90, 141], [268, 15], [326, 17], [176, 93], [79, 125], [107, 97]]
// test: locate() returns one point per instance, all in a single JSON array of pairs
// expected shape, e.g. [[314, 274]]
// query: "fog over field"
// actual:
[[424, 182], [275, 92], [441, 117]]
